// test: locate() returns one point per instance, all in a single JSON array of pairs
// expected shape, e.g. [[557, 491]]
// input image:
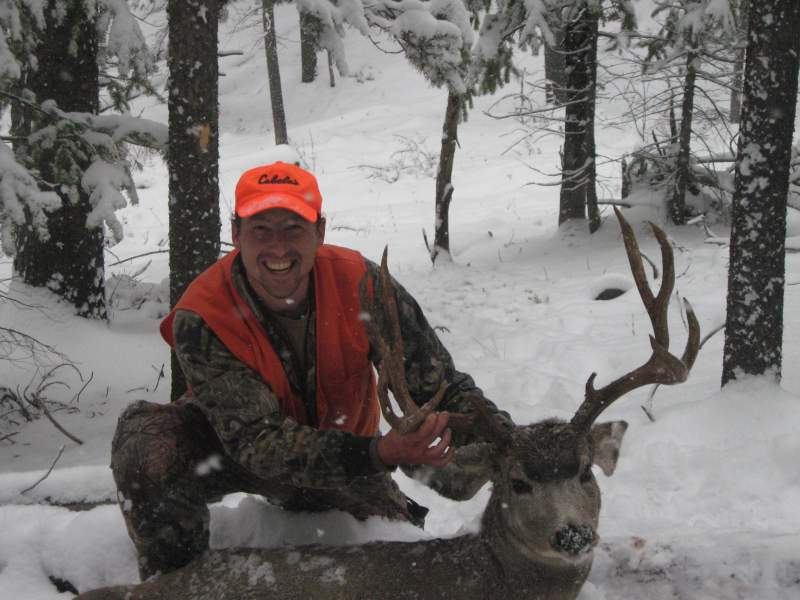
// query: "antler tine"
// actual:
[[662, 367], [693, 341], [656, 306], [383, 331]]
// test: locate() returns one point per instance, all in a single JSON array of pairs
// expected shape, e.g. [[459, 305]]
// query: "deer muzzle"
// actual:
[[574, 540]]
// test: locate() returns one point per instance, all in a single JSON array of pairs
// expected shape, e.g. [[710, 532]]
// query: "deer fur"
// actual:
[[544, 485]]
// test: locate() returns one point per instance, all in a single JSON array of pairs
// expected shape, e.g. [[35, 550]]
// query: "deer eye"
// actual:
[[521, 487], [586, 475]]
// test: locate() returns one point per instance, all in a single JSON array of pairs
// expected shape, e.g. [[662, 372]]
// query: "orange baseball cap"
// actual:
[[278, 185]]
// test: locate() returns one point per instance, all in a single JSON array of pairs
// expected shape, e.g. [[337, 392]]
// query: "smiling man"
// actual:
[[282, 391]]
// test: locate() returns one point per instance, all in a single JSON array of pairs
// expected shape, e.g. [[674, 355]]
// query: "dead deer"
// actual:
[[538, 530]]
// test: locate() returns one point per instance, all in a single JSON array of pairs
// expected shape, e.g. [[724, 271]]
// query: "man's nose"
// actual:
[[277, 243]]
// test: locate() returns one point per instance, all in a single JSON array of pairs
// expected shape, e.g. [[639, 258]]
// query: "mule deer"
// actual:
[[538, 529]]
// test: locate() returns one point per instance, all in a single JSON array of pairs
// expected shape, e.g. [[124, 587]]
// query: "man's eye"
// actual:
[[521, 487]]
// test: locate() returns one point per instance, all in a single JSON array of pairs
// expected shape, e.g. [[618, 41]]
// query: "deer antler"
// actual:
[[383, 331], [662, 367]]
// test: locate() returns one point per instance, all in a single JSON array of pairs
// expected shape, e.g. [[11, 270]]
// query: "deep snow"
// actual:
[[706, 500]]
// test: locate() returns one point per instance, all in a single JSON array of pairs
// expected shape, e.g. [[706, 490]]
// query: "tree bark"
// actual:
[[736, 91], [738, 67], [70, 262], [193, 153], [580, 45], [756, 276], [677, 204], [273, 72], [444, 178], [309, 36], [555, 68]]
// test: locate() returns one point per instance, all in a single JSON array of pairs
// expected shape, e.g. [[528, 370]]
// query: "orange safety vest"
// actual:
[[345, 378]]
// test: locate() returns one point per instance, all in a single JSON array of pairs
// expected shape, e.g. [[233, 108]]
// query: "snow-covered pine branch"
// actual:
[[108, 174], [493, 48], [19, 190], [119, 128], [436, 36], [19, 20], [332, 18], [123, 39]]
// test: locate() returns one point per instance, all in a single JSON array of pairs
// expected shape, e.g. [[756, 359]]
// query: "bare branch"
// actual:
[[50, 470]]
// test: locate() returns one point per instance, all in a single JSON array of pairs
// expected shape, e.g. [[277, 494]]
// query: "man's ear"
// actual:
[[321, 230], [236, 223]]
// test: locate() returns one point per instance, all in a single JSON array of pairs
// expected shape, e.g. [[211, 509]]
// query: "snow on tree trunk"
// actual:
[[738, 67], [273, 72], [444, 178], [70, 260], [193, 153], [677, 204], [754, 324], [580, 47]]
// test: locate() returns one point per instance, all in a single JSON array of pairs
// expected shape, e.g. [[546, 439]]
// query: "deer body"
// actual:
[[538, 529], [535, 542], [463, 568]]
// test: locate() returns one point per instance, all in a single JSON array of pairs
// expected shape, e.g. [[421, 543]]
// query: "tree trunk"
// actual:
[[580, 45], [555, 68], [736, 91], [309, 36], [273, 72], [444, 178], [738, 67], [756, 277], [591, 148], [193, 153], [331, 76], [677, 204], [70, 262]]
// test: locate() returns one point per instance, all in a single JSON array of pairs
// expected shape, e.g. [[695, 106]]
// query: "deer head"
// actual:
[[545, 501]]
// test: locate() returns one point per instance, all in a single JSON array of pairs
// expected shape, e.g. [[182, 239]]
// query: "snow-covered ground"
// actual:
[[706, 500]]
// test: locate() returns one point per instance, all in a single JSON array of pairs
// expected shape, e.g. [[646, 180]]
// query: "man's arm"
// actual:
[[247, 418]]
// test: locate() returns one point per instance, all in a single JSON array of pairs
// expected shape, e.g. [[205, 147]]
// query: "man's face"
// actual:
[[278, 248]]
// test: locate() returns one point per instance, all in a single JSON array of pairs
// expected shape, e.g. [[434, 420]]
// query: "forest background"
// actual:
[[706, 495]]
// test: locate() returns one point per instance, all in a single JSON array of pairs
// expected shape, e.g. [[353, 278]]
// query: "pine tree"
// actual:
[[193, 154], [580, 49], [531, 24], [694, 33], [274, 72], [52, 69], [756, 276]]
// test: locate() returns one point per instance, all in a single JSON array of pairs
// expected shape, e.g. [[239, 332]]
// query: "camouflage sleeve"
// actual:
[[247, 417], [428, 363]]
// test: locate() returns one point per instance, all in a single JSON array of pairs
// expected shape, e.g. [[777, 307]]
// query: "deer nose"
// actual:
[[574, 539]]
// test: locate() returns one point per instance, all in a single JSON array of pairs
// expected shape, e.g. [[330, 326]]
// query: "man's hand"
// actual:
[[415, 448]]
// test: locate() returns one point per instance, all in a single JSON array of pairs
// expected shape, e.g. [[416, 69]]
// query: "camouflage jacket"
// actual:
[[246, 415]]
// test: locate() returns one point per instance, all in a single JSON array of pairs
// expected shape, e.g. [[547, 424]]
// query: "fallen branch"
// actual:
[[159, 377], [130, 258], [57, 425], [50, 470]]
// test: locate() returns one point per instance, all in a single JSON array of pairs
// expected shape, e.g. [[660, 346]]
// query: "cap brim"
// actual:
[[278, 201]]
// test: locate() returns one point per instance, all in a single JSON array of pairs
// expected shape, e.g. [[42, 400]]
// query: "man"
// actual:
[[281, 397]]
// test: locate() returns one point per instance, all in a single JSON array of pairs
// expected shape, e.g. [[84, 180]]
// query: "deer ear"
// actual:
[[606, 442]]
